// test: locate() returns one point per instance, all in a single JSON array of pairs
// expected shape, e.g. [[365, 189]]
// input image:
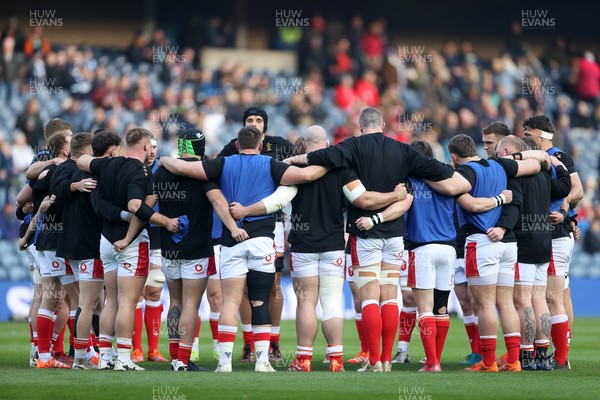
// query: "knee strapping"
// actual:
[[440, 300], [156, 278], [364, 275], [259, 291], [390, 277], [330, 295]]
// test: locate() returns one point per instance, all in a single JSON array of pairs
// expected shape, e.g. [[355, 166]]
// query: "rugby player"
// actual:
[[279, 149], [542, 131], [124, 246], [380, 163]]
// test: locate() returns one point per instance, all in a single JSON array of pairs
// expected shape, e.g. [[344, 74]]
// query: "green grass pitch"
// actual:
[[158, 382]]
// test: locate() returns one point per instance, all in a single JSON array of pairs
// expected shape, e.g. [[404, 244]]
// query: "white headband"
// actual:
[[546, 135]]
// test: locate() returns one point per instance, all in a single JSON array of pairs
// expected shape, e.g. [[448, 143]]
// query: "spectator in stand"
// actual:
[[99, 121], [591, 242], [9, 224], [341, 62], [344, 96], [74, 114], [21, 152], [373, 44], [142, 92], [13, 30], [366, 88], [582, 116], [588, 78], [107, 94], [469, 125], [10, 68], [139, 50], [35, 42], [30, 122]]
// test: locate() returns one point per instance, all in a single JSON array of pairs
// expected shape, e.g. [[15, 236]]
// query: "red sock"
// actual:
[[59, 343], [304, 353], [472, 332], [93, 340], [214, 328], [428, 332], [513, 346], [183, 354], [71, 325], [138, 322], [559, 332], [45, 328], [152, 319], [372, 326], [442, 324], [198, 327], [487, 346], [275, 337], [174, 348], [569, 337], [408, 319], [389, 324], [248, 336], [361, 334]]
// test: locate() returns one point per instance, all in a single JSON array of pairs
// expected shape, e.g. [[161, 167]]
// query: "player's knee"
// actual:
[[279, 262], [155, 280], [440, 301], [259, 291], [330, 294]]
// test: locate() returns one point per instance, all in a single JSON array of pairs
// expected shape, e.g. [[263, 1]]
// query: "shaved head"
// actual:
[[315, 138], [510, 144]]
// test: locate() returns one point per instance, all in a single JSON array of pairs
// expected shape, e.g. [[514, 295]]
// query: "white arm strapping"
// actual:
[[353, 194], [280, 198]]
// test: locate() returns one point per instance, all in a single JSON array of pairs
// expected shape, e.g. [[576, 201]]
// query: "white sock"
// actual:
[[124, 352]]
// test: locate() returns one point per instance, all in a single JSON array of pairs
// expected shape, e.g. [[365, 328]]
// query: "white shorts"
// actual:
[[531, 274], [31, 255], [330, 263], [279, 236], [460, 275], [189, 269], [257, 254], [489, 263], [155, 256], [133, 261], [217, 251], [55, 267], [90, 270], [404, 271], [562, 250], [367, 252], [431, 267]]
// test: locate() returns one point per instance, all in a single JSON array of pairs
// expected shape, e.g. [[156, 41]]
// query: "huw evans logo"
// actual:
[[44, 19], [537, 19]]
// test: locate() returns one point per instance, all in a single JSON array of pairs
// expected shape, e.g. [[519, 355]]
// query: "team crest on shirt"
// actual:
[[268, 146], [268, 259]]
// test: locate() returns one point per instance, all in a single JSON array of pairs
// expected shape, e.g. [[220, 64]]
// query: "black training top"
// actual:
[[317, 219], [381, 163], [178, 196], [121, 180]]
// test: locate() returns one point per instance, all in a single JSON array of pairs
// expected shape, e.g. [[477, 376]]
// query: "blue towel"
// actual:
[[184, 228]]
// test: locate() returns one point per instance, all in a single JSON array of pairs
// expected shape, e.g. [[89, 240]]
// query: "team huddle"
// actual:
[[104, 232]]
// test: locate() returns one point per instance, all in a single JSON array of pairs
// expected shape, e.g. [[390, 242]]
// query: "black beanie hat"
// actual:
[[256, 111]]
